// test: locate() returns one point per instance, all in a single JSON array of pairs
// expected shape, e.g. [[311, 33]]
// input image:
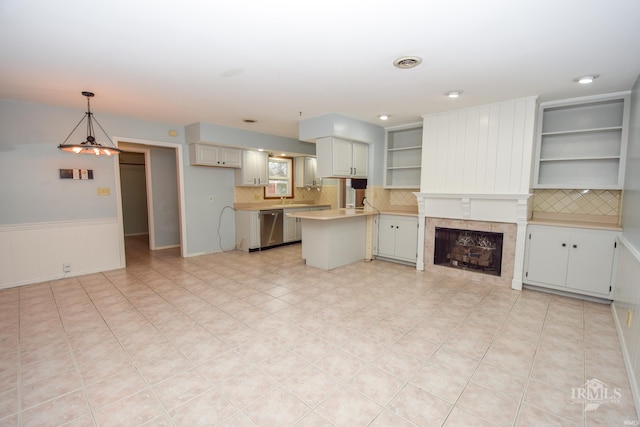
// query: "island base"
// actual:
[[331, 244]]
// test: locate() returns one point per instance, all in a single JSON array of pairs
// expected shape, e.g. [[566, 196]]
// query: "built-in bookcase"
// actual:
[[582, 143], [403, 156]]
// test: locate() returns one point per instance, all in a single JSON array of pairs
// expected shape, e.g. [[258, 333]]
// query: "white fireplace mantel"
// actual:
[[509, 208]]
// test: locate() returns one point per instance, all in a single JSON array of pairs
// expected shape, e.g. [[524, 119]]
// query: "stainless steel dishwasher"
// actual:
[[271, 225]]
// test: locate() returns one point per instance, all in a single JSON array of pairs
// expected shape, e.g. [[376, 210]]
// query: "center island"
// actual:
[[333, 238]]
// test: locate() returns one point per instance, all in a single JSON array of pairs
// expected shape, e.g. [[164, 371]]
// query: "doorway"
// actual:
[[150, 188]]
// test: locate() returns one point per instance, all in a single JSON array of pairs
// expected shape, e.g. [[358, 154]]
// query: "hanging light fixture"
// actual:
[[90, 145]]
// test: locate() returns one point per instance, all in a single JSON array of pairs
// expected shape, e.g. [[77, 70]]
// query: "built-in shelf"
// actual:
[[403, 156], [582, 142]]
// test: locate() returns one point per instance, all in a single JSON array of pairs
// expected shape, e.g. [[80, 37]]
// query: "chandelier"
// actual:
[[90, 145]]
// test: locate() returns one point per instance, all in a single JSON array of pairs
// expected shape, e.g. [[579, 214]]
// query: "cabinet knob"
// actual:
[[564, 245], [575, 246]]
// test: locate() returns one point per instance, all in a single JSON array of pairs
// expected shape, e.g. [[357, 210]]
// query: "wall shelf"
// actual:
[[403, 156], [582, 142]]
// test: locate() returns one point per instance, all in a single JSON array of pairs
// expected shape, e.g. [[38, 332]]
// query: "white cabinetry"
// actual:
[[247, 230], [293, 226], [403, 156], [306, 172], [342, 158], [573, 260], [397, 238], [254, 171], [582, 143], [214, 155]]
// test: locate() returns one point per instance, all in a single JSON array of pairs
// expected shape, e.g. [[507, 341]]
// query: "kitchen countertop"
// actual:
[[576, 224], [265, 207], [399, 212], [332, 214], [595, 222]]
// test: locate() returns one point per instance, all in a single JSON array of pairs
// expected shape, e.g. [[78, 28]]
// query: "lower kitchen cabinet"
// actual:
[[397, 238], [293, 226], [247, 230], [576, 260]]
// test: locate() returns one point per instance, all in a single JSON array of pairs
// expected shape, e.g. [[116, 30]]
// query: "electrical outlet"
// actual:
[[66, 267]]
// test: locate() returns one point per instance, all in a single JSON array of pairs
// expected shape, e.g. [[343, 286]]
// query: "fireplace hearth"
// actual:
[[478, 251]]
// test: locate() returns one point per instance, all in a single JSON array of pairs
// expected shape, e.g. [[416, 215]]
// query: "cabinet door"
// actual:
[[407, 239], [230, 157], [255, 229], [360, 161], [386, 236], [591, 262], [291, 229], [254, 169], [261, 168], [548, 257], [203, 155], [310, 172], [342, 157]]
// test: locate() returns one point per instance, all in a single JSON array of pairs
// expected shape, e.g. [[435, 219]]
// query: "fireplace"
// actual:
[[478, 251], [504, 214]]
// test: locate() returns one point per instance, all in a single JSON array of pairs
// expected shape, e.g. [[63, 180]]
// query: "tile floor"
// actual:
[[236, 339]]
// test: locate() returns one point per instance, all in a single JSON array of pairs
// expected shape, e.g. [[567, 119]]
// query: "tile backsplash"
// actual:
[[581, 202]]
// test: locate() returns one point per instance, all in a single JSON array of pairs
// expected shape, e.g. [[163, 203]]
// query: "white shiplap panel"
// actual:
[[6, 261], [492, 149], [456, 161], [55, 247], [442, 150], [479, 150], [24, 254], [470, 158], [529, 144], [505, 148], [33, 253], [519, 120], [483, 142], [429, 153]]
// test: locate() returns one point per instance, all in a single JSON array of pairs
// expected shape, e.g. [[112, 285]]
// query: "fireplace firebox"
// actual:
[[479, 251]]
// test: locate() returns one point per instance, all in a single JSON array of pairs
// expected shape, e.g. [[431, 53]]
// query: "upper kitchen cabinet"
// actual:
[[403, 156], [582, 142], [213, 155], [342, 158], [254, 171], [306, 172]]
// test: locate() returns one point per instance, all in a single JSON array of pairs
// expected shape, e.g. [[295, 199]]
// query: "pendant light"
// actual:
[[90, 145]]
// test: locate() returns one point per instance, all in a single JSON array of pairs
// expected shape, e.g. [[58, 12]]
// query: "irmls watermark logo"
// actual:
[[595, 393]]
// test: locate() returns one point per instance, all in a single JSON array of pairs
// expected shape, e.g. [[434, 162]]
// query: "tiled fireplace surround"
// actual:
[[505, 214]]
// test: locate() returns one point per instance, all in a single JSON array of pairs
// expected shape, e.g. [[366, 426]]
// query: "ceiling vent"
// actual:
[[407, 62]]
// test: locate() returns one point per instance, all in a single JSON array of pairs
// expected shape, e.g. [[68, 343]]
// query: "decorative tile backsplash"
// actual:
[[583, 202], [256, 195], [403, 198]]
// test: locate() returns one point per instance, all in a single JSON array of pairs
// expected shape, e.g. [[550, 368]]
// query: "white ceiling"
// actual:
[[280, 61]]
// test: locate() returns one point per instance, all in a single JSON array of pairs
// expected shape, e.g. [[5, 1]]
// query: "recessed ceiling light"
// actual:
[[585, 80], [407, 62], [454, 93], [383, 117]]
